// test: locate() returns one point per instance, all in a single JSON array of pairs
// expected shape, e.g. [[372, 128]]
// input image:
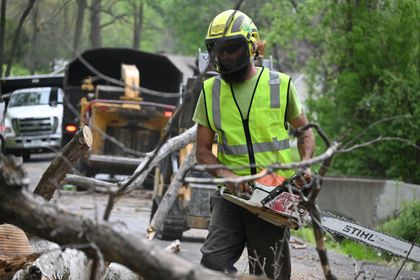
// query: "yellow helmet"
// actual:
[[232, 24]]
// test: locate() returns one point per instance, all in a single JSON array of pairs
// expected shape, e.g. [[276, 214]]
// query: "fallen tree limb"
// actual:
[[169, 147], [172, 145], [329, 153], [90, 183], [62, 164], [47, 220], [170, 196]]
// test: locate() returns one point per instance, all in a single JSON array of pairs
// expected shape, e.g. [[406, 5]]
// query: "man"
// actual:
[[249, 108]]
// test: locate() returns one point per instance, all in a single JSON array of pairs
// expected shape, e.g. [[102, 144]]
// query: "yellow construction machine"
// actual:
[[126, 123]]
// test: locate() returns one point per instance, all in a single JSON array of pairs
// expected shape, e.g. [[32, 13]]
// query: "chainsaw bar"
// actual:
[[370, 237], [359, 233]]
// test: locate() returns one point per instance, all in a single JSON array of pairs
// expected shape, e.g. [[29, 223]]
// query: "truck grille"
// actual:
[[35, 126]]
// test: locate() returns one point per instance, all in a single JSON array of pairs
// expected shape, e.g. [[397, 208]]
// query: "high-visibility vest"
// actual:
[[262, 137]]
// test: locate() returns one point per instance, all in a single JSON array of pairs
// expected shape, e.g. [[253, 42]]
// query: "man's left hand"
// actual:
[[304, 177]]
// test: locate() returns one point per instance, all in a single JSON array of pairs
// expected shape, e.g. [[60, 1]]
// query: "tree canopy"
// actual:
[[360, 59], [363, 76]]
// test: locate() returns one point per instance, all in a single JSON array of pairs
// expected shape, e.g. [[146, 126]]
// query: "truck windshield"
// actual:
[[29, 98]]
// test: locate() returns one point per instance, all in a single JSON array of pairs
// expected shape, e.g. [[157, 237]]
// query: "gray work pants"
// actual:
[[231, 228]]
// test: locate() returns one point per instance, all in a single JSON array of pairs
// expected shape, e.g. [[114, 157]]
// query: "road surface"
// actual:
[[133, 212]]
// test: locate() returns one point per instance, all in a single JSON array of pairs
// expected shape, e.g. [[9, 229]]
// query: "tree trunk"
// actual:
[[62, 164], [170, 196], [95, 24], [33, 61], [17, 35], [138, 24], [2, 35], [81, 6], [52, 222]]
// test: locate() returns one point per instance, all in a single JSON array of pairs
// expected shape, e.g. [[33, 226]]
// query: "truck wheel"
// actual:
[[174, 225]]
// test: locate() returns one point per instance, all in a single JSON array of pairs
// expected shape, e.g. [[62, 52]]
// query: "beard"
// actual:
[[236, 77]]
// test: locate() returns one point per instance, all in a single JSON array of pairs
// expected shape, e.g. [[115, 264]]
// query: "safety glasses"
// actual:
[[230, 46]]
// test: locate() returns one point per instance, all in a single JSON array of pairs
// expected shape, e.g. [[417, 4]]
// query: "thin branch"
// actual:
[[334, 148], [56, 13], [372, 125], [114, 19], [379, 139]]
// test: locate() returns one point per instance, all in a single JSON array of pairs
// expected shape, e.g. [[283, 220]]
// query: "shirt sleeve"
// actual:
[[200, 116], [294, 106]]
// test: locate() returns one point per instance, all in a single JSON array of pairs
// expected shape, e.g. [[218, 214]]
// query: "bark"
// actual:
[[34, 39], [138, 24], [170, 196], [62, 164], [151, 160], [17, 35], [170, 146], [90, 183], [8, 267], [311, 203], [95, 24], [108, 162], [2, 35], [81, 7], [49, 221]]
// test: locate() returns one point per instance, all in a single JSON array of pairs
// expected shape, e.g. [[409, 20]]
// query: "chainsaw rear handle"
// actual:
[[304, 190]]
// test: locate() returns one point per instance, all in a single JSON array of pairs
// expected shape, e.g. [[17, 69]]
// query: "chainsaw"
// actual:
[[278, 201]]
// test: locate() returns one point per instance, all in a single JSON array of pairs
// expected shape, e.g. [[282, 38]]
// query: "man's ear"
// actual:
[[260, 48]]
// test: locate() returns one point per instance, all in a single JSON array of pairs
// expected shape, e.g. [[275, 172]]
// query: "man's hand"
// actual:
[[304, 177], [240, 189], [204, 155]]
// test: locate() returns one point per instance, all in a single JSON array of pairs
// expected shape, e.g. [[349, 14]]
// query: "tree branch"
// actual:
[[33, 214]]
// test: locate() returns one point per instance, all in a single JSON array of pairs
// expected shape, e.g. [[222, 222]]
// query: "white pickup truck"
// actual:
[[33, 121]]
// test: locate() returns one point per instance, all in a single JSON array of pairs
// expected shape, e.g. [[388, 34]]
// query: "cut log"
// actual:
[[62, 164], [48, 221]]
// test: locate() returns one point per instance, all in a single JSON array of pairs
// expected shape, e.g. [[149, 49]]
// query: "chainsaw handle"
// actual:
[[306, 189]]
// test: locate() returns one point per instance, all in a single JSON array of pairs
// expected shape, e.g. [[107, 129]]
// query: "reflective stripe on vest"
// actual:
[[267, 135]]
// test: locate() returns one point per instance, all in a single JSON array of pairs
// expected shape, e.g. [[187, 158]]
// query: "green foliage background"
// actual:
[[363, 70], [407, 224], [360, 59]]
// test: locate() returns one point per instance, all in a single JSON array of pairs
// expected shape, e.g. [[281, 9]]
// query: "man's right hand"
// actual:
[[240, 189], [204, 155]]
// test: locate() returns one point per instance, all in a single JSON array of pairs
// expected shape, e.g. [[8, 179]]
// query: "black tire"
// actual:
[[174, 225]]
